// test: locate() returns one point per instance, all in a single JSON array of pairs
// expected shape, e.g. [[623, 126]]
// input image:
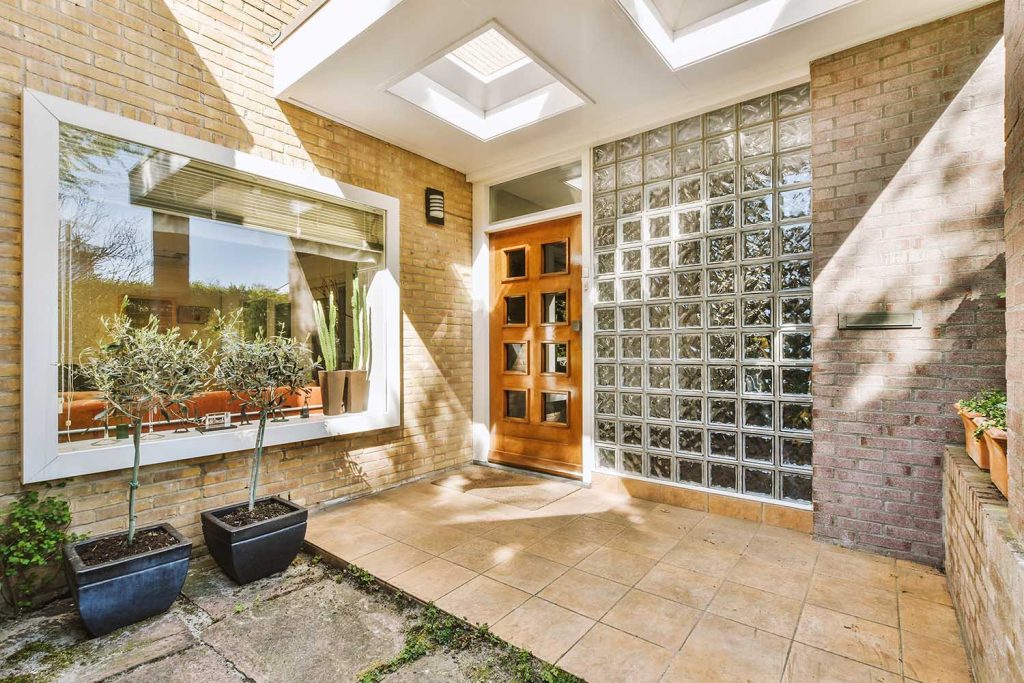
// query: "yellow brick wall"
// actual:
[[204, 68]]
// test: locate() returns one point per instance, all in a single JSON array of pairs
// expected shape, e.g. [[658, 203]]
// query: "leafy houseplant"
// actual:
[[969, 409], [124, 577], [357, 377], [253, 540], [984, 418], [331, 379], [32, 535]]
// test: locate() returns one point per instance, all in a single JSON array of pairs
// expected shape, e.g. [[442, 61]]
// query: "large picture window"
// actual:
[[140, 228]]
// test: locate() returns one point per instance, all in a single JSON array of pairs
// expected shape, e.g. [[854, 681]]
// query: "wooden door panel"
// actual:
[[530, 441]]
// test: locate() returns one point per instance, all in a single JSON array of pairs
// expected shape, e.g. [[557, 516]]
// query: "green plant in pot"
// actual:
[[358, 385], [331, 379], [991, 427], [140, 371], [262, 536]]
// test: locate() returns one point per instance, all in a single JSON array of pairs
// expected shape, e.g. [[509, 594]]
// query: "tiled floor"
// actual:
[[620, 589]]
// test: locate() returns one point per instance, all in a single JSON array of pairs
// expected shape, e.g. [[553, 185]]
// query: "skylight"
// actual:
[[489, 56], [488, 85]]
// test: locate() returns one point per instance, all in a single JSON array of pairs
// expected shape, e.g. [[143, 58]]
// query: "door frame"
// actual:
[[481, 294]]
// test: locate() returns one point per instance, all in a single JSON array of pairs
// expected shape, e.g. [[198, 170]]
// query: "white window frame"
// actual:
[[43, 458]]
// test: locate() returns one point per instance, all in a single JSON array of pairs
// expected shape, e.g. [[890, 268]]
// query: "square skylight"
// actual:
[[488, 84], [489, 56]]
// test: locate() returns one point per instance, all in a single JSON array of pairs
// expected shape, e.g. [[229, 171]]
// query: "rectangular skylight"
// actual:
[[488, 56]]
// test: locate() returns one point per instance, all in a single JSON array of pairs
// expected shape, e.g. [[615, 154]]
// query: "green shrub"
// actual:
[[32, 534], [991, 404]]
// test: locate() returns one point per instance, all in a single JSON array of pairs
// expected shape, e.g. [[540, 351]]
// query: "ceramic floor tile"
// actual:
[[670, 520], [527, 572], [797, 553], [754, 607], [517, 532], [392, 560], [924, 586], [724, 533], [480, 554], [643, 543], [653, 618], [873, 571], [807, 664], [700, 556], [854, 598], [593, 530], [771, 576], [482, 600], [607, 655], [617, 565], [585, 593], [437, 539], [543, 628], [724, 651], [564, 548], [849, 636], [432, 579], [929, 619], [680, 585], [934, 661], [347, 542]]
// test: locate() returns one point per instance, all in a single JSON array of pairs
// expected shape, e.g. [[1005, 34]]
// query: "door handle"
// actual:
[[576, 326]]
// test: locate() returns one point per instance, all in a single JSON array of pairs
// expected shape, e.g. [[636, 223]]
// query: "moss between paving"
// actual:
[[311, 623]]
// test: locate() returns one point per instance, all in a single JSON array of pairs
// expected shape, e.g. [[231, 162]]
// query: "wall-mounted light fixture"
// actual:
[[434, 204]]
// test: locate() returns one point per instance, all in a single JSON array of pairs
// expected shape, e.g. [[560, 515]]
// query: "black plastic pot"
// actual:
[[122, 592], [250, 552]]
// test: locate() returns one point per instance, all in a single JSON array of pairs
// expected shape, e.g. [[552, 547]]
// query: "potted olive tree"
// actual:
[[330, 379], [124, 577], [357, 386], [262, 536]]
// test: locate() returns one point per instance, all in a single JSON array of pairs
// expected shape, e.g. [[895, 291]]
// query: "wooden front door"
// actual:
[[536, 360]]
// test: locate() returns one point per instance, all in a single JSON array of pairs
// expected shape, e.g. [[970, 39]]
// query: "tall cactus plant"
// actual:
[[327, 330], [360, 326]]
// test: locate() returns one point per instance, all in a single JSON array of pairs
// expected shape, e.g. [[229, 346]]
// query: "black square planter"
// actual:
[[250, 552], [115, 594]]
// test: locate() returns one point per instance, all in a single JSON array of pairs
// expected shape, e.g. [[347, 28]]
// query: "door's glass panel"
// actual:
[[515, 404], [554, 258], [516, 358], [555, 357], [554, 307], [515, 310], [555, 407], [515, 263]]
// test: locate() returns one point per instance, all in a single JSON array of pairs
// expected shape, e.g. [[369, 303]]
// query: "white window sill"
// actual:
[[82, 457]]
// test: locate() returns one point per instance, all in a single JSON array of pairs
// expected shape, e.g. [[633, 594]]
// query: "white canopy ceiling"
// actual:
[[341, 58]]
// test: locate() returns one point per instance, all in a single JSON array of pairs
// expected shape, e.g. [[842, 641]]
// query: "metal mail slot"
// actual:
[[876, 320]]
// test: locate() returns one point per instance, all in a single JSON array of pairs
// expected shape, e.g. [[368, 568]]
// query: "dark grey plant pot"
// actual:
[[247, 553], [115, 594]]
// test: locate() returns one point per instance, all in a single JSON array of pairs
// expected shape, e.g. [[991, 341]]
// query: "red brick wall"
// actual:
[[1013, 181], [908, 215], [204, 68]]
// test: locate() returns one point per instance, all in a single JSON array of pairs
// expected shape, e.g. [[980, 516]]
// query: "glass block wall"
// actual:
[[702, 270]]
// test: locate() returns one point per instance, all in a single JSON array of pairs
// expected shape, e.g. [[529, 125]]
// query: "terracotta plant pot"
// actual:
[[995, 439], [976, 448], [332, 391], [355, 395]]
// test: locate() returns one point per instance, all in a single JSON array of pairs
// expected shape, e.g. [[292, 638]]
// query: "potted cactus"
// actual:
[[330, 379], [262, 536], [124, 577], [357, 385]]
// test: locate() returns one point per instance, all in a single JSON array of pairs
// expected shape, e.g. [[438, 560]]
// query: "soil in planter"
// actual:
[[264, 510], [117, 548]]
